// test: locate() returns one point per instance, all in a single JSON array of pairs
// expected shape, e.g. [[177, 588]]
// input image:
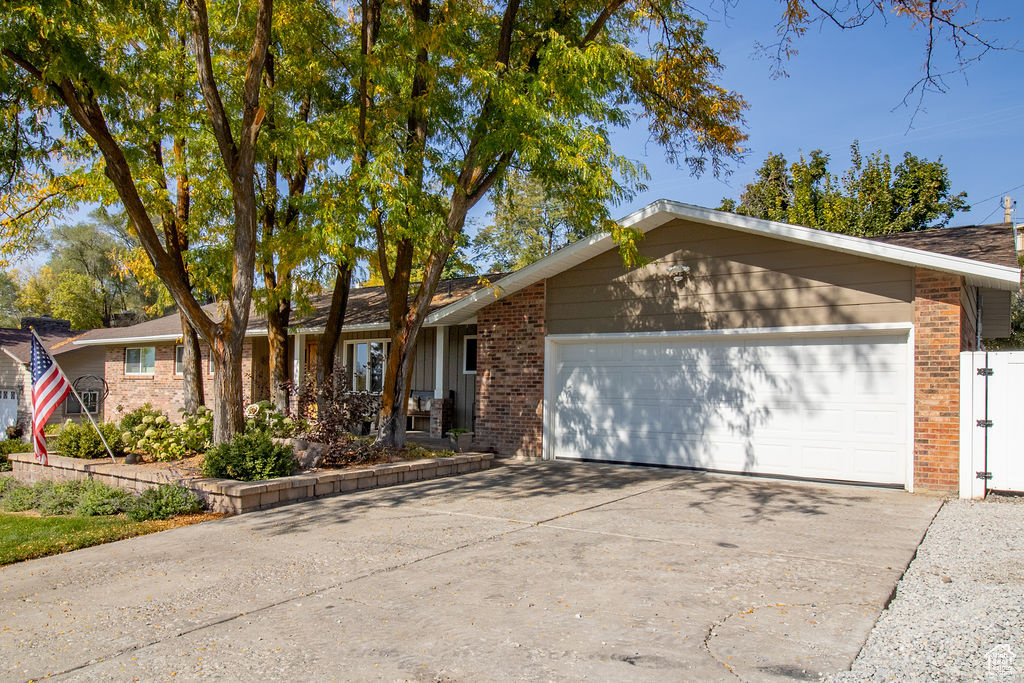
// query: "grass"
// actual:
[[26, 536]]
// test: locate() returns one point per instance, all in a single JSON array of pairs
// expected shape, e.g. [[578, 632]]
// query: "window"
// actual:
[[469, 356], [90, 398], [179, 360], [139, 360], [366, 360]]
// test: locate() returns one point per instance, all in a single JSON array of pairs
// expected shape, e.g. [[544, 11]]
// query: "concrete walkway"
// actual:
[[525, 572]]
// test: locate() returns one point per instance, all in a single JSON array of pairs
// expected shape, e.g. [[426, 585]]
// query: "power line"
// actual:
[[1001, 194]]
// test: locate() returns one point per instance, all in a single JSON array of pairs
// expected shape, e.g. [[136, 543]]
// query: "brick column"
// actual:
[[937, 344], [510, 374]]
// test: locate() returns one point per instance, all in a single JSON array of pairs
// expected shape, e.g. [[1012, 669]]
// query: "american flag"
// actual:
[[49, 387]]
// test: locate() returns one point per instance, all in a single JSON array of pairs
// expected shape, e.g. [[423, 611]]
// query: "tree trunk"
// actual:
[[277, 340], [228, 396], [191, 367], [392, 403], [329, 341]]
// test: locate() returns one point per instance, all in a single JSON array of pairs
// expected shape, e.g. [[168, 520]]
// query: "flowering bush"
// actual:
[[264, 417], [156, 435], [134, 418]]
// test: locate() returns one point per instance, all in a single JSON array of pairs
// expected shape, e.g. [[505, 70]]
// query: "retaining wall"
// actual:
[[236, 497]]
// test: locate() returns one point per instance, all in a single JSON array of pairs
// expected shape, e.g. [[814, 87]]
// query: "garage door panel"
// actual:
[[831, 408]]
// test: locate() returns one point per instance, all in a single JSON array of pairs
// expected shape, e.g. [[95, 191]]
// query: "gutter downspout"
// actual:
[[980, 301]]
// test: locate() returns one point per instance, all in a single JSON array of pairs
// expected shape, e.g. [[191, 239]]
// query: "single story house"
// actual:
[[83, 367], [737, 345]]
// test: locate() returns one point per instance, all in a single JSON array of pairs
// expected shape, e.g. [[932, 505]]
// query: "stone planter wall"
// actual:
[[236, 497]]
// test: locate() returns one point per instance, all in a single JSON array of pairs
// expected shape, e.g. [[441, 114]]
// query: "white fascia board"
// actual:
[[976, 272], [662, 211], [365, 327], [150, 338]]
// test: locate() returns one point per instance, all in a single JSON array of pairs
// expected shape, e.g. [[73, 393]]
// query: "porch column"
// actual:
[[440, 411], [440, 346], [299, 365]]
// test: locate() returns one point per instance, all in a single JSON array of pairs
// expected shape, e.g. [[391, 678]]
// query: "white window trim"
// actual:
[[83, 409], [209, 361], [352, 370], [465, 353], [140, 373]]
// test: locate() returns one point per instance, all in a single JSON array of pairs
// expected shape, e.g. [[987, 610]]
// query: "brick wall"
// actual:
[[163, 389], [938, 340], [510, 374]]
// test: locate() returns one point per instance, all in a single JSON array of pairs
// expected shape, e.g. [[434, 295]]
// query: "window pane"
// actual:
[[470, 354], [376, 367], [179, 360], [148, 359], [131, 360], [71, 406], [359, 368], [91, 399]]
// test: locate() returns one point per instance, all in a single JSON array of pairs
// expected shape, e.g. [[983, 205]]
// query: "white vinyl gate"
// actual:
[[991, 423]]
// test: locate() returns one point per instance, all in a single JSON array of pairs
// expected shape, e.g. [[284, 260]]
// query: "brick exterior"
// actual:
[[163, 389], [510, 374], [938, 340]]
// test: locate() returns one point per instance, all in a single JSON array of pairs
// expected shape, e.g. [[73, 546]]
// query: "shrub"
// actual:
[[250, 456], [18, 498], [14, 446], [98, 499], [264, 417], [159, 437], [163, 502], [7, 484], [134, 418], [82, 441], [197, 430], [15, 431], [11, 446], [59, 498]]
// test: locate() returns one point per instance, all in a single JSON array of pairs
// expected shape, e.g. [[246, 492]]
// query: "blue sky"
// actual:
[[846, 85]]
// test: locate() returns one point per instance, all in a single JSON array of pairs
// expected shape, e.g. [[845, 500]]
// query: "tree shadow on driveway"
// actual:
[[540, 491]]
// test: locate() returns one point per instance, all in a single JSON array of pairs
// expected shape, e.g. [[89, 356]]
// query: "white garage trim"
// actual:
[[552, 360]]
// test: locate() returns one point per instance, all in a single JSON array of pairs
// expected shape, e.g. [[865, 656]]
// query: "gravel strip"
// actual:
[[958, 614]]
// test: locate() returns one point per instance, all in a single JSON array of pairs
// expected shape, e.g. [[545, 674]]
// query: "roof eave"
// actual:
[[150, 338], [662, 211]]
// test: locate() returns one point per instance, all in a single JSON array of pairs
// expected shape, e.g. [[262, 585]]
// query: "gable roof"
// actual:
[[367, 306], [984, 255], [18, 343], [998, 275], [367, 310], [991, 243]]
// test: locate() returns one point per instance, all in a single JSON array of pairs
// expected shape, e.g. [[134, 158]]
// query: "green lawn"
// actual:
[[23, 537]]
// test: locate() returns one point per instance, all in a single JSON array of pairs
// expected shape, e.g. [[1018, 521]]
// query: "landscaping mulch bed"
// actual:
[[358, 452]]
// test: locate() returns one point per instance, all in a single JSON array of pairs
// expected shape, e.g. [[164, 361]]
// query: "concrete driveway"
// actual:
[[525, 572]]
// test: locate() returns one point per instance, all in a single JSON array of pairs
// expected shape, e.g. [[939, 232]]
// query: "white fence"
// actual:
[[991, 422]]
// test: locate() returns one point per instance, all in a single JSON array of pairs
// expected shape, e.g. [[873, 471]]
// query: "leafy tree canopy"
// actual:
[[529, 222], [870, 198]]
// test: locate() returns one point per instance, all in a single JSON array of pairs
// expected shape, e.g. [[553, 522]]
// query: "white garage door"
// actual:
[[821, 407]]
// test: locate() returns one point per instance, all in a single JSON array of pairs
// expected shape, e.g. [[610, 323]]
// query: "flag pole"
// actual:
[[77, 397]]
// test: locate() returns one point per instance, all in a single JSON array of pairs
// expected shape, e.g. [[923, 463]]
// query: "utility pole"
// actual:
[[1007, 209]]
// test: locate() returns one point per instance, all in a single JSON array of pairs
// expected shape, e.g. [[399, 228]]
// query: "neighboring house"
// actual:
[[83, 366], [740, 345]]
